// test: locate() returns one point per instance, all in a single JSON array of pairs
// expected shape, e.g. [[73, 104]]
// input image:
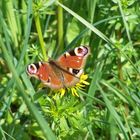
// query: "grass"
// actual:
[[108, 108]]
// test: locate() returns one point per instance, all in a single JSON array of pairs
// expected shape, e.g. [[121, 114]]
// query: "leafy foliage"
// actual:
[[109, 108]]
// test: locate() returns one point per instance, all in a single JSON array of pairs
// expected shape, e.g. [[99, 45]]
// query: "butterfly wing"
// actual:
[[46, 73], [73, 62], [75, 58], [64, 72]]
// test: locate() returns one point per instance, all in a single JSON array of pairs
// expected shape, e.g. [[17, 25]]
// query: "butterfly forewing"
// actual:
[[75, 59]]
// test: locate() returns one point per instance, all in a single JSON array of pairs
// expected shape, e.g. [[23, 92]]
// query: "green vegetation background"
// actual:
[[109, 108]]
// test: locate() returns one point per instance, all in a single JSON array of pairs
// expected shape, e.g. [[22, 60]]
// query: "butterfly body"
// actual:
[[62, 72]]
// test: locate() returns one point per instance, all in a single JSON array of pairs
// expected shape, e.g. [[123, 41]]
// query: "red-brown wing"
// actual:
[[45, 72], [73, 62], [75, 58], [50, 76], [70, 80], [61, 73]]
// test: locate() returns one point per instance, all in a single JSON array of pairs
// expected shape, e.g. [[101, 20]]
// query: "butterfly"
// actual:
[[63, 72]]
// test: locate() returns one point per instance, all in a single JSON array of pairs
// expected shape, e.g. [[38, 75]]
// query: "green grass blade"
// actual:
[[124, 20], [116, 91], [39, 118], [78, 37], [40, 36], [27, 33], [12, 21], [60, 27], [94, 81], [91, 97], [113, 113], [87, 24]]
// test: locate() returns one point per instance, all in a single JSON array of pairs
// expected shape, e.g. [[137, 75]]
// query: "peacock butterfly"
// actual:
[[62, 72]]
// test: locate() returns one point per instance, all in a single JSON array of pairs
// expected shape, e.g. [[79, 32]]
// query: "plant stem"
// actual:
[[38, 27], [34, 111], [60, 26]]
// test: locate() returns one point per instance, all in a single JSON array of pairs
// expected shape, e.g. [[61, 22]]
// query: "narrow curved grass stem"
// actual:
[[42, 46], [60, 27]]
